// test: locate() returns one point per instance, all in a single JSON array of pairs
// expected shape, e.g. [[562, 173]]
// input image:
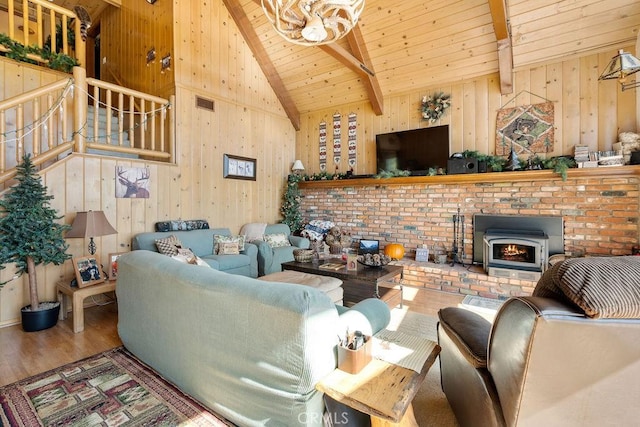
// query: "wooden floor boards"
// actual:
[[25, 354]]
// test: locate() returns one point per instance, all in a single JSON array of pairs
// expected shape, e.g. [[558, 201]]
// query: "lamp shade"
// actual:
[[297, 166], [620, 66], [90, 224]]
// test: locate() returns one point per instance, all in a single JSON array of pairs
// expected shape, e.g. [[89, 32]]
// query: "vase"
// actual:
[[33, 321]]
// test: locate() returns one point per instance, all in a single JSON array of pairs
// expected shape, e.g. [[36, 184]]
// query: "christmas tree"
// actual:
[[29, 233], [291, 204]]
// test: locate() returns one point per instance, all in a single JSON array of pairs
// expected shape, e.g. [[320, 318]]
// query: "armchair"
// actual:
[[270, 258], [567, 356]]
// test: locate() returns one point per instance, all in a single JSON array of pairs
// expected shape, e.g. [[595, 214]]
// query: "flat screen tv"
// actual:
[[416, 150]]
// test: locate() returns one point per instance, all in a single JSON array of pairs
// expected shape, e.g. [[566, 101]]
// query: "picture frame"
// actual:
[[237, 167], [113, 265], [88, 270]]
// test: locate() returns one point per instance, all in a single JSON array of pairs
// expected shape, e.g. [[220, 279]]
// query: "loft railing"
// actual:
[[82, 114], [36, 23]]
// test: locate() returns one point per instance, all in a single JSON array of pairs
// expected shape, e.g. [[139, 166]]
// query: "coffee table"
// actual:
[[365, 282]]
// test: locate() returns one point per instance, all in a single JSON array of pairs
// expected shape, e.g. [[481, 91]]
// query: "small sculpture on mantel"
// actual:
[[336, 239]]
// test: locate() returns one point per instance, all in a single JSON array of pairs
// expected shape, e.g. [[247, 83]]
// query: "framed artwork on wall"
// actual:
[[88, 271], [237, 167]]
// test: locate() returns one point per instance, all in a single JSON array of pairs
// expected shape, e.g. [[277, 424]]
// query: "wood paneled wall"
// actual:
[[587, 111], [210, 59]]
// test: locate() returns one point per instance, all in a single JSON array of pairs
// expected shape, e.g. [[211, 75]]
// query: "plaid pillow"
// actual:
[[168, 245]]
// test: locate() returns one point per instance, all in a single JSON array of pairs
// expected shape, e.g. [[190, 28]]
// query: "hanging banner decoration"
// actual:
[[525, 129], [323, 146], [337, 142], [352, 140]]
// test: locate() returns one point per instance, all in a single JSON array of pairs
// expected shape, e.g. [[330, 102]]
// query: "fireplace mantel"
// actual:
[[479, 178]]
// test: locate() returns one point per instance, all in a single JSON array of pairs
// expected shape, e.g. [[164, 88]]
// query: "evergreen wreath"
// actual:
[[433, 107]]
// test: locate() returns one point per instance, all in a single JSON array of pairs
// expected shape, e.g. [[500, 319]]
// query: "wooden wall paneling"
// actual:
[[469, 114], [589, 102], [455, 118], [554, 92], [482, 117], [571, 104]]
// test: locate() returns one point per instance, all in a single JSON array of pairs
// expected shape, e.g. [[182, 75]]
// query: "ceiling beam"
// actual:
[[259, 52], [503, 36], [359, 49]]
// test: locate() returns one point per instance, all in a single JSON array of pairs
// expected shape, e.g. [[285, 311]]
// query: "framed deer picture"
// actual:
[[132, 183]]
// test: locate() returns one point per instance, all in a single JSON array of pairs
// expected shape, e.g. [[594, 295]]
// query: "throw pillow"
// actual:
[[277, 240], [604, 287], [168, 245], [228, 248], [217, 239]]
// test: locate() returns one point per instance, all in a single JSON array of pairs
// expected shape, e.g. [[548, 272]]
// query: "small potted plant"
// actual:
[[30, 236]]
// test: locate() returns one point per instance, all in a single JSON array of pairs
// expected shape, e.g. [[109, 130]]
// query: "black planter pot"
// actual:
[[33, 321]]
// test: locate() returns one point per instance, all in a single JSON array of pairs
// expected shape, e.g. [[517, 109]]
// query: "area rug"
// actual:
[[430, 405], [110, 389]]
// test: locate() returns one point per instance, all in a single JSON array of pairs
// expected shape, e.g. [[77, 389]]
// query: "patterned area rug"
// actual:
[[110, 389]]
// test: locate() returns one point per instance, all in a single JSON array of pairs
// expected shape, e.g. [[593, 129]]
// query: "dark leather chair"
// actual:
[[558, 358]]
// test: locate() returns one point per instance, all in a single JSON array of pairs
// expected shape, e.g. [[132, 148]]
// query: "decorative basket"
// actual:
[[303, 255]]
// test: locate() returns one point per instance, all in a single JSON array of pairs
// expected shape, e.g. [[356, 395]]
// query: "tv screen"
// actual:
[[416, 150]]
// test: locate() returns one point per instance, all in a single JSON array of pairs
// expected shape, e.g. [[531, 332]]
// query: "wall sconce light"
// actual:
[[165, 63], [151, 1], [622, 65], [151, 56]]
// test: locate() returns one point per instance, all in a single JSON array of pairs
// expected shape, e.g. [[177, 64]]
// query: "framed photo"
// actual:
[[237, 167], [88, 271], [113, 265]]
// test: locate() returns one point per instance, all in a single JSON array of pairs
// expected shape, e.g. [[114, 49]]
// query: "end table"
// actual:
[[77, 296]]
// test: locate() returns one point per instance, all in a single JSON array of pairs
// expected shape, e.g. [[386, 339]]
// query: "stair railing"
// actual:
[[51, 121], [39, 19]]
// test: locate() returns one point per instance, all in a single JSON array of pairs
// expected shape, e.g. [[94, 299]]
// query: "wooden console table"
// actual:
[[382, 390], [77, 296]]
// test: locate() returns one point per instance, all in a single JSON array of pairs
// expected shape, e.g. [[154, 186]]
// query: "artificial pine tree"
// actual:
[[291, 204], [29, 233]]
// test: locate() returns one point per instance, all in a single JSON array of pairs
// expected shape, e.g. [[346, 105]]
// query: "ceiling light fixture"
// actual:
[[622, 65], [312, 22]]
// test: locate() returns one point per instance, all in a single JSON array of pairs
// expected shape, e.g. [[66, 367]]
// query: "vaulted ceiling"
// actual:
[[418, 45]]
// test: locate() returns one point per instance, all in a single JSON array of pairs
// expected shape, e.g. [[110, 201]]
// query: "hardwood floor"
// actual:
[[25, 354]]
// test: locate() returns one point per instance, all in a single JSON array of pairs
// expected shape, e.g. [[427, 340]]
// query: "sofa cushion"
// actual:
[[277, 240], [168, 245], [228, 262], [604, 287], [218, 238], [317, 229]]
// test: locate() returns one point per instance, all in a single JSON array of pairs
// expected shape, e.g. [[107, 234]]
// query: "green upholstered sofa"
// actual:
[[201, 243], [250, 350]]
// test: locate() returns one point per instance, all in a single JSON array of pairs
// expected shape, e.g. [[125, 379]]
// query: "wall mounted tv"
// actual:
[[416, 150]]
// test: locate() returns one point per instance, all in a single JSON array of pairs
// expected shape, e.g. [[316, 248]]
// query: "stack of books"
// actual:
[[583, 158]]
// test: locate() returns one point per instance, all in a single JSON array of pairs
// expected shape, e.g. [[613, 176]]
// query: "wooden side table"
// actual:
[[380, 389], [77, 295]]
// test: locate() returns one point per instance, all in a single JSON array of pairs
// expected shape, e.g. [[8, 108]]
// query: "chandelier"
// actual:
[[312, 22]]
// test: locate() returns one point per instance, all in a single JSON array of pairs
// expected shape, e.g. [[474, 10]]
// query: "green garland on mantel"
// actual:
[[22, 53], [559, 164]]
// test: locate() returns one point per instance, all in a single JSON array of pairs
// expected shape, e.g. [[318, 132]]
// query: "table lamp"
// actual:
[[90, 224]]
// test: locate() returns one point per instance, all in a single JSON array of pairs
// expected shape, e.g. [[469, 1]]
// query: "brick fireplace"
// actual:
[[599, 209]]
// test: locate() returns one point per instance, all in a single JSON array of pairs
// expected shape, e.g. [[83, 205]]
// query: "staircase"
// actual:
[[103, 126]]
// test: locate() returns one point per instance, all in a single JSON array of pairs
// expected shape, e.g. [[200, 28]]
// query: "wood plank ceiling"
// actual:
[[416, 45]]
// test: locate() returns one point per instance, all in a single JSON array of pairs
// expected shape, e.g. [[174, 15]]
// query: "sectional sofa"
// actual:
[[250, 350]]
